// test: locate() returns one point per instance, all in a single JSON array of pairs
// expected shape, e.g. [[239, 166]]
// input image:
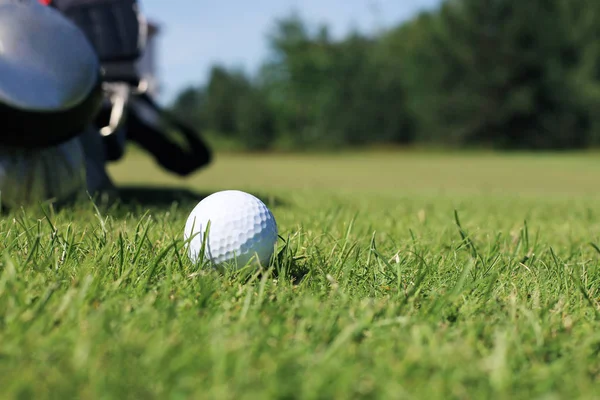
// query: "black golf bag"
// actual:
[[118, 31]]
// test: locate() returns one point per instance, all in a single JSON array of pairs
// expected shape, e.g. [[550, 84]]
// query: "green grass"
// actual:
[[380, 290]]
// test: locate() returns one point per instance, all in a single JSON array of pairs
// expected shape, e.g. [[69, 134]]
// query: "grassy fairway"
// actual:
[[380, 292]]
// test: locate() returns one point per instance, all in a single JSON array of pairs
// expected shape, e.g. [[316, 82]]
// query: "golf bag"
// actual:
[[50, 91], [118, 31], [115, 28], [70, 96]]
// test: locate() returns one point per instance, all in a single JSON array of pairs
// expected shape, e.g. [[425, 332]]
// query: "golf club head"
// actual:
[[50, 76]]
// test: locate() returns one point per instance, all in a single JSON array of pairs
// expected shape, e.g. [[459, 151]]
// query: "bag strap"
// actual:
[[155, 140]]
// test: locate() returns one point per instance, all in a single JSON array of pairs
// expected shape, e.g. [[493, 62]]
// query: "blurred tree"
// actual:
[[494, 73], [223, 92], [189, 106], [332, 93], [296, 79], [369, 105], [254, 121], [584, 79], [500, 73]]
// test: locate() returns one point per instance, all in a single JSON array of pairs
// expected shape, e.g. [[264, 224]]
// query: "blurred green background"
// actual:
[[500, 75]]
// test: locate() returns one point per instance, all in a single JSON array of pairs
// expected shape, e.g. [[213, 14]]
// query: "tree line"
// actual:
[[504, 74]]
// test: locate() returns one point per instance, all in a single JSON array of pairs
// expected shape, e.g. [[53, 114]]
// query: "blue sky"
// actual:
[[197, 33]]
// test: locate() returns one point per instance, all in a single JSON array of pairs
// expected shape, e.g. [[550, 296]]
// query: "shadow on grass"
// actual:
[[162, 197]]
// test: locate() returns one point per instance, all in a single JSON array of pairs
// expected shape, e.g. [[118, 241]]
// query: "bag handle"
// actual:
[[155, 140]]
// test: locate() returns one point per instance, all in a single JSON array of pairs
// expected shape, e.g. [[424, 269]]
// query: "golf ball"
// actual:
[[241, 229]]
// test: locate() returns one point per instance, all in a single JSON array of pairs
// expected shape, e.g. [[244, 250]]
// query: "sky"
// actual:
[[196, 34]]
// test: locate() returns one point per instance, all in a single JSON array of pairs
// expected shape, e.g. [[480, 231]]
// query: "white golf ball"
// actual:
[[241, 229]]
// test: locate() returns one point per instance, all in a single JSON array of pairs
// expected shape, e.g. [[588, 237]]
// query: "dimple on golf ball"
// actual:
[[242, 229]]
